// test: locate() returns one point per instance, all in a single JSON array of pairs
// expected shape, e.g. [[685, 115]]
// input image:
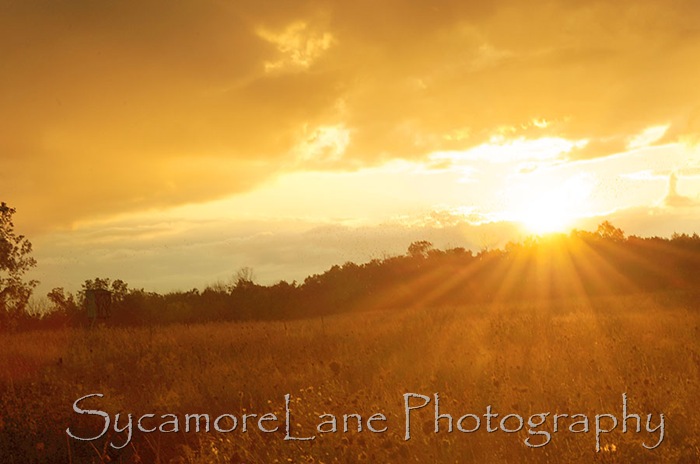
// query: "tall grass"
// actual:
[[559, 356]]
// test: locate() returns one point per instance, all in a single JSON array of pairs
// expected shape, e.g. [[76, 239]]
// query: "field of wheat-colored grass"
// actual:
[[574, 356]]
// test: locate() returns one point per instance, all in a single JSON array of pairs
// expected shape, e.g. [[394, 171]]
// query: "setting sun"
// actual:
[[545, 205], [546, 216]]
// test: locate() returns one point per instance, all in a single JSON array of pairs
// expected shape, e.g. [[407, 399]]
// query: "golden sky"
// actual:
[[170, 143]]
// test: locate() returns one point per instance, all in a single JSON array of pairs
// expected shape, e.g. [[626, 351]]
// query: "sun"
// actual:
[[546, 205], [546, 215]]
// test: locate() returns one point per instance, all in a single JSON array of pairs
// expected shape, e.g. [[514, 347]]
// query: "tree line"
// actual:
[[581, 263]]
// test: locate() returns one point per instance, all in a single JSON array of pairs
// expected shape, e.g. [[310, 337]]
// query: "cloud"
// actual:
[[645, 221], [113, 107], [647, 137], [690, 132], [179, 254], [298, 46], [674, 199]]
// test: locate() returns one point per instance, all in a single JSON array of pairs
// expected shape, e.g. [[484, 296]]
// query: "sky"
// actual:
[[170, 144]]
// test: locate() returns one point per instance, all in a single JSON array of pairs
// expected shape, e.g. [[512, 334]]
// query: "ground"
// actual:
[[565, 356]]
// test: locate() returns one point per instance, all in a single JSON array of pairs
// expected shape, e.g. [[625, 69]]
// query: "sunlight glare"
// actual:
[[548, 205]]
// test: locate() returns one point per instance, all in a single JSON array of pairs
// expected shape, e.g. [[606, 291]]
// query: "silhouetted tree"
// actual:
[[61, 300], [15, 261], [419, 249], [608, 231], [65, 309], [119, 290], [603, 262], [245, 278]]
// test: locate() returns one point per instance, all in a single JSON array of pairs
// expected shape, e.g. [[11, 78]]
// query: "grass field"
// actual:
[[558, 357]]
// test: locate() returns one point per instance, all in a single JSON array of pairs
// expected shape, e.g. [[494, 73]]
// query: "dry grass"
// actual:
[[574, 356]]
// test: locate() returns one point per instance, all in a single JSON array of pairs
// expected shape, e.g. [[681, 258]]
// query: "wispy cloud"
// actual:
[[676, 200]]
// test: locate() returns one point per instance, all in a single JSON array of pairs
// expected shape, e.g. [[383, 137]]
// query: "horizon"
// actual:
[[229, 281]]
